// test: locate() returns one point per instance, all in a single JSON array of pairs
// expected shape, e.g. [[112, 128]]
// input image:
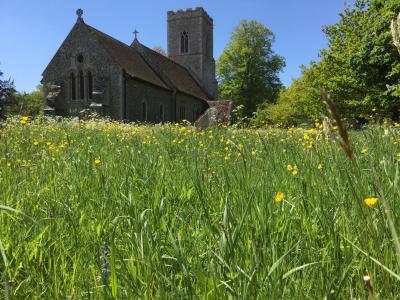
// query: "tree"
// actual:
[[297, 104], [160, 50], [248, 68], [6, 89], [395, 27], [360, 68], [29, 104], [361, 62]]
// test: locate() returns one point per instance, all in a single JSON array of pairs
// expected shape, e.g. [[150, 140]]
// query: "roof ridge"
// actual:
[[107, 35], [105, 40], [178, 64], [166, 57], [156, 69]]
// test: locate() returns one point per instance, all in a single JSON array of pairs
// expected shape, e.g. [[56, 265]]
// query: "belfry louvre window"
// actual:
[[184, 42], [81, 85], [72, 85]]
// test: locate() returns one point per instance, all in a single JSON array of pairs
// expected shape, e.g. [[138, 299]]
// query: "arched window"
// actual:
[[79, 58], [144, 111], [161, 112], [90, 85], [81, 85], [72, 84], [184, 42]]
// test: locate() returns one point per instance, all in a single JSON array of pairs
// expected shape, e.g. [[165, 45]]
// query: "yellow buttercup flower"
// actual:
[[364, 150], [97, 161], [370, 201], [320, 167], [295, 172], [289, 167], [279, 196]]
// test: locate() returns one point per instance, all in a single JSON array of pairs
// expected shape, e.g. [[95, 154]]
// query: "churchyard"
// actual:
[[275, 192], [101, 209]]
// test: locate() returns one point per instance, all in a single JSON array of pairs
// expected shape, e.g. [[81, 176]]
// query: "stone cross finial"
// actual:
[[79, 13], [135, 33]]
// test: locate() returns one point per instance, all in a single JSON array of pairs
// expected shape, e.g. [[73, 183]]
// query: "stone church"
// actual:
[[92, 70]]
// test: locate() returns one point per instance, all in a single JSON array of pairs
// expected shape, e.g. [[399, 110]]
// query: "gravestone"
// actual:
[[218, 112]]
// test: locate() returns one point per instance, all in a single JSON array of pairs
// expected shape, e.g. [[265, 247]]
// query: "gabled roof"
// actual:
[[177, 74], [132, 61], [127, 58]]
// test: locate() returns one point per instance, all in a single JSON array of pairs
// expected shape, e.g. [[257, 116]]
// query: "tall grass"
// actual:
[[100, 209]]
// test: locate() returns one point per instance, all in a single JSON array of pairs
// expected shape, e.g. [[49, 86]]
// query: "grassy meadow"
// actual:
[[100, 209]]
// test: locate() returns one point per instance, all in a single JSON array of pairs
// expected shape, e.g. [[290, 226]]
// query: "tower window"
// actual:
[[81, 86], [79, 59], [90, 85], [184, 42], [73, 86]]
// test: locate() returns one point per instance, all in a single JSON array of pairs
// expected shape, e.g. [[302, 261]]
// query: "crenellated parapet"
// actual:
[[189, 13]]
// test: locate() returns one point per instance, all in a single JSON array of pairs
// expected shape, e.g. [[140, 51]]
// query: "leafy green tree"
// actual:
[[26, 103], [6, 90], [297, 104], [395, 27], [6, 87], [360, 68], [248, 68]]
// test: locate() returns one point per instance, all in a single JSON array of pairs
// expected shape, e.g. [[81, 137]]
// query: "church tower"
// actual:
[[190, 43]]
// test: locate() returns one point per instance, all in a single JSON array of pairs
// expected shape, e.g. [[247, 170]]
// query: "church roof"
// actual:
[[177, 74], [131, 60], [127, 57]]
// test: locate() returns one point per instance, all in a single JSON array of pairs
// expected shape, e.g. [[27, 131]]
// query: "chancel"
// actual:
[[92, 70]]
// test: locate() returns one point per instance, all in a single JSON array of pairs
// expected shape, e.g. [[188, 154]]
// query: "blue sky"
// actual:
[[32, 31]]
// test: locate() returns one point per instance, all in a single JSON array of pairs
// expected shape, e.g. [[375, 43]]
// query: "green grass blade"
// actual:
[[287, 274], [375, 261]]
